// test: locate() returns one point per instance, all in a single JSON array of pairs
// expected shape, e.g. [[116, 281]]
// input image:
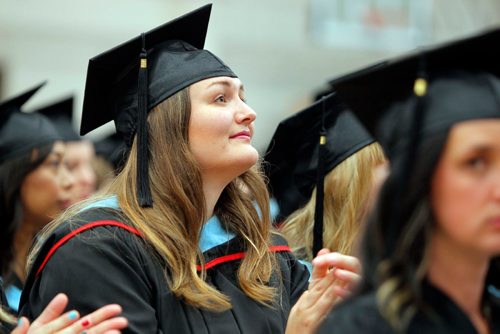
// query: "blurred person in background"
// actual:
[[432, 247], [349, 158], [347, 155], [34, 188], [79, 153]]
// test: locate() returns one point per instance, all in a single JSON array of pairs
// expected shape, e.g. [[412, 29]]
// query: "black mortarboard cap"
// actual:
[[20, 132], [126, 82], [407, 99], [449, 77], [308, 145], [61, 115]]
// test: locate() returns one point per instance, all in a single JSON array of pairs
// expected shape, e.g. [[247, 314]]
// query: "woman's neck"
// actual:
[[22, 243], [212, 190], [461, 274]]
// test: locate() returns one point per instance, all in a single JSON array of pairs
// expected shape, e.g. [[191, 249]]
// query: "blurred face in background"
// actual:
[[79, 159], [45, 191], [465, 191]]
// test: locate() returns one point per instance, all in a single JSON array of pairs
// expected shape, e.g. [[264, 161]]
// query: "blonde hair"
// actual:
[[172, 226], [347, 189]]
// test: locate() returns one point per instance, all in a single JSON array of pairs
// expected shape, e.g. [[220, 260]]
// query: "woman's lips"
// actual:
[[242, 135], [495, 222]]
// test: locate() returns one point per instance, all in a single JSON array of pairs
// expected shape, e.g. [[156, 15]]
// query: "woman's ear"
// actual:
[[34, 154]]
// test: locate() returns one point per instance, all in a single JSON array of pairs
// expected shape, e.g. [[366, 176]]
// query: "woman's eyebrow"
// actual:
[[226, 83], [477, 148], [58, 154]]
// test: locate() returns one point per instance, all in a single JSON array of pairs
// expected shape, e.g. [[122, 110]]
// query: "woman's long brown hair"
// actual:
[[172, 226]]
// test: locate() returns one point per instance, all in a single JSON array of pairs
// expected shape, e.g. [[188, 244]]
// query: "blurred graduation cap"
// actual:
[[307, 146], [61, 115], [441, 82], [126, 82], [404, 100], [20, 132], [113, 149]]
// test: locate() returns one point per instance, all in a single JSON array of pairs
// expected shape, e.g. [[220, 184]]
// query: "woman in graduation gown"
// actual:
[[431, 255], [331, 219], [349, 158], [34, 186], [145, 244]]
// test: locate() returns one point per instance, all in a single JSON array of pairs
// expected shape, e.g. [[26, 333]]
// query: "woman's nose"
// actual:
[[245, 114], [67, 178], [495, 184], [88, 175]]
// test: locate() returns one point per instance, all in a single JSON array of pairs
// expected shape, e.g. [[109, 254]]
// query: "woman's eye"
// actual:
[[476, 163], [55, 163], [69, 166], [220, 98]]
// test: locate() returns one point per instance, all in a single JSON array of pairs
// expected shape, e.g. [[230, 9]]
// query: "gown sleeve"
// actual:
[[99, 267]]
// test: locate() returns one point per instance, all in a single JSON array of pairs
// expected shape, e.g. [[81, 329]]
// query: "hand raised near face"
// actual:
[[333, 278], [346, 270]]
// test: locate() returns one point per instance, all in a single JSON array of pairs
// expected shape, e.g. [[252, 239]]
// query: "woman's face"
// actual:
[[465, 190], [46, 190], [221, 128], [79, 157]]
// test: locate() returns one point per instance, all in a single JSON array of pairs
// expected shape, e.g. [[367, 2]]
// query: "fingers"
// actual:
[[338, 260], [341, 293], [346, 281], [52, 311], [109, 326], [317, 290], [326, 301], [90, 322], [312, 307], [350, 278], [323, 251], [319, 271], [325, 261], [23, 325], [61, 322]]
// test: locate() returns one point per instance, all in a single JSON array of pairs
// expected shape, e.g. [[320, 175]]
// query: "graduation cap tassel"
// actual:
[[144, 192], [320, 180]]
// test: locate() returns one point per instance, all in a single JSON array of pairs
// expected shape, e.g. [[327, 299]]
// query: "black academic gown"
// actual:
[[361, 315], [111, 265]]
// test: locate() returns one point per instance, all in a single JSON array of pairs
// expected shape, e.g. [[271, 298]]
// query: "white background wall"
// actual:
[[265, 42]]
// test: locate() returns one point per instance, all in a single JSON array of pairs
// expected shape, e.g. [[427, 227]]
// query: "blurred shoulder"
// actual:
[[359, 314]]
